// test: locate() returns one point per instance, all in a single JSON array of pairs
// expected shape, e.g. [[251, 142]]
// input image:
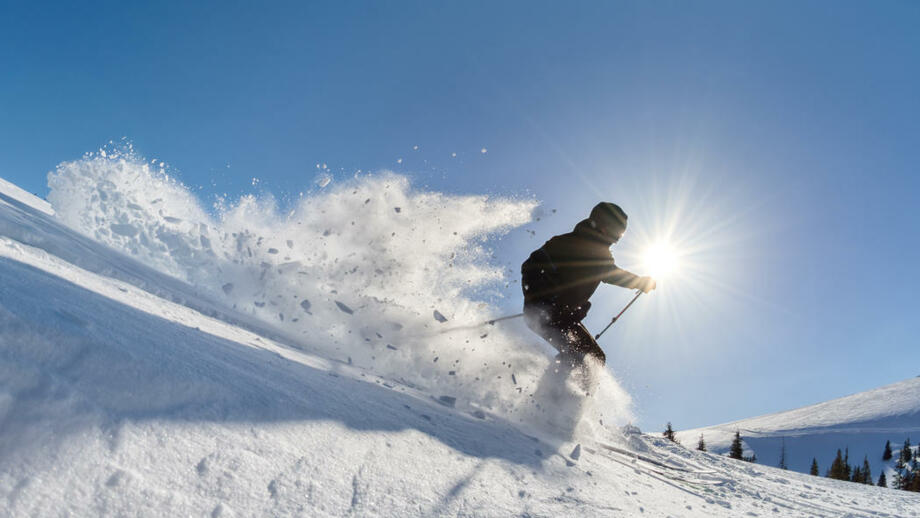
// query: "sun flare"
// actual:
[[660, 260]]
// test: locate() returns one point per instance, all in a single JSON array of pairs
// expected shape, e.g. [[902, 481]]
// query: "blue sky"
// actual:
[[778, 141]]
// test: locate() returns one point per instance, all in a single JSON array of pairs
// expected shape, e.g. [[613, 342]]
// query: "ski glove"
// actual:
[[646, 284]]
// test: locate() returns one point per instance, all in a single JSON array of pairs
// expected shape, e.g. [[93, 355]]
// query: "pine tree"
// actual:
[[782, 456], [737, 450], [882, 480], [838, 470], [669, 433], [867, 472], [898, 473], [907, 480], [701, 445], [886, 455], [857, 475], [915, 483], [814, 466], [906, 454], [915, 470], [847, 470]]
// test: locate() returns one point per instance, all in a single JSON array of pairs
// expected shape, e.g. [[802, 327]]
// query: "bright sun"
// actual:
[[660, 260]]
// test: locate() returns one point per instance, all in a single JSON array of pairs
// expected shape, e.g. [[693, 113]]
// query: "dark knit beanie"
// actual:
[[610, 217]]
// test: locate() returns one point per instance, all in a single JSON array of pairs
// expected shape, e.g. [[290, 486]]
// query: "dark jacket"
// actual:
[[565, 271]]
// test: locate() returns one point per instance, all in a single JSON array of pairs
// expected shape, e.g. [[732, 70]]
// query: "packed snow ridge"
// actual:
[[158, 360]]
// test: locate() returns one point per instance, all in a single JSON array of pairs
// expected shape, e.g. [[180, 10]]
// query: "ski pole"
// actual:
[[614, 319], [485, 323], [494, 320]]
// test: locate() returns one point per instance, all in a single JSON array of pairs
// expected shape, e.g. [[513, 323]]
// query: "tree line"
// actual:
[[906, 469]]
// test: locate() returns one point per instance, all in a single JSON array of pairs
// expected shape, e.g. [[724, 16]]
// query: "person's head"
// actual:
[[609, 219]]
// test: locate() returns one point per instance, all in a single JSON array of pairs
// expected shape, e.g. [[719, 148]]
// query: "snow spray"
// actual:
[[363, 271]]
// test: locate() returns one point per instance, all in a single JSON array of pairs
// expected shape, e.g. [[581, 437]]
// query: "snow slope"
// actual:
[[861, 422], [128, 390]]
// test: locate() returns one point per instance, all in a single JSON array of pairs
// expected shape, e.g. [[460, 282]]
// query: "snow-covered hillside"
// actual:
[[133, 382], [861, 422]]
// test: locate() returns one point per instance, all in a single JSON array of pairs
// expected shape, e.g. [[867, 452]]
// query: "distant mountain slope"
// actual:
[[121, 395], [861, 422]]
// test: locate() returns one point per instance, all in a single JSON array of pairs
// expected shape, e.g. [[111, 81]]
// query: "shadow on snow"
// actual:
[[67, 350]]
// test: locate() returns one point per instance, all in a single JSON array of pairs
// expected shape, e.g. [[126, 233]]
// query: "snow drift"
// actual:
[[369, 271]]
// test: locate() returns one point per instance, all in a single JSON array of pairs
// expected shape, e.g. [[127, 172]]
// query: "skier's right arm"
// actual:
[[627, 279]]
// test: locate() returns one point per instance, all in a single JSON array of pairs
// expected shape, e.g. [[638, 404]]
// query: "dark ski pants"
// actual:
[[566, 335]]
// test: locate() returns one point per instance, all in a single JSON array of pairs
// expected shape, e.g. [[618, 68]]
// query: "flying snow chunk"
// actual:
[[483, 150], [323, 180], [576, 453], [305, 304], [439, 317], [344, 308]]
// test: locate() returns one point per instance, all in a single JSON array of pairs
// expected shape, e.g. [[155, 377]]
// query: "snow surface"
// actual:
[[861, 422], [16, 193], [134, 382]]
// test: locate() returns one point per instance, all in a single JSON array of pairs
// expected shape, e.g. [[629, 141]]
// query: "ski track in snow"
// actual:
[[125, 391]]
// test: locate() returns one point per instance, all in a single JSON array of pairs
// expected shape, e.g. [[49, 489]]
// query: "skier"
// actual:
[[559, 277]]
